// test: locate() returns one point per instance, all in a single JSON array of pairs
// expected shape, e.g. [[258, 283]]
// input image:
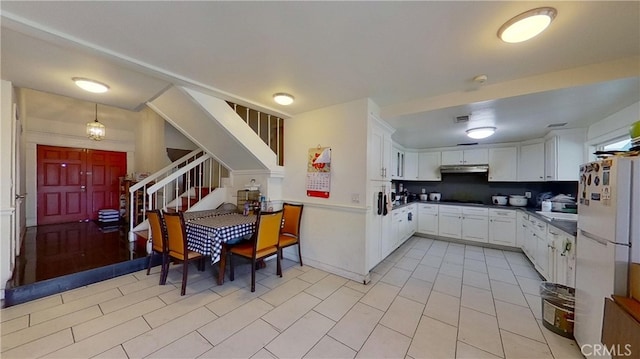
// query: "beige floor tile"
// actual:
[[528, 285], [42, 346], [524, 270], [396, 276], [384, 343], [451, 269], [329, 348], [519, 320], [474, 254], [272, 280], [195, 288], [448, 285], [63, 309], [433, 339], [480, 330], [516, 346], [381, 295], [339, 303], [478, 299], [473, 248], [363, 288], [416, 253], [299, 338], [356, 326], [104, 341], [244, 343], [383, 267], [453, 258], [516, 258], [561, 347], [535, 304], [476, 279], [98, 287], [455, 248], [236, 299], [475, 265], [443, 307], [220, 329], [30, 307], [417, 290], [403, 316], [438, 249], [408, 263], [498, 262], [501, 274], [491, 252], [313, 275], [12, 325], [422, 243], [509, 293], [425, 273], [290, 311], [155, 339], [191, 345], [432, 260], [43, 329], [285, 291], [188, 303], [116, 352], [92, 327], [135, 297], [146, 282], [466, 351], [263, 354]]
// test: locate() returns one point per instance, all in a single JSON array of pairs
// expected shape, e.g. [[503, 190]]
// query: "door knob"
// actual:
[[83, 188]]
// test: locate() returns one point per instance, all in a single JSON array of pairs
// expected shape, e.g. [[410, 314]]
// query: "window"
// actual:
[[617, 144]]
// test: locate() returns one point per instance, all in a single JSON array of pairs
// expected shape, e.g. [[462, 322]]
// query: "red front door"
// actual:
[[74, 183]]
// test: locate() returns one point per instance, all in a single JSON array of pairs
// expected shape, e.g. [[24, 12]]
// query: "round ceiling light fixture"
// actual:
[[283, 98], [527, 25], [481, 132], [90, 85]]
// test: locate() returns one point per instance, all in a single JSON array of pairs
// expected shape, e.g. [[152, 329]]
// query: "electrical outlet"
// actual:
[[355, 198], [527, 194]]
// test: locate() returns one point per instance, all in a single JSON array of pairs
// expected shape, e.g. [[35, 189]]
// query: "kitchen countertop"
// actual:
[[570, 227]]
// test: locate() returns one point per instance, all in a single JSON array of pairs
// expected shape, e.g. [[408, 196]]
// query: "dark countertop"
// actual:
[[569, 227]]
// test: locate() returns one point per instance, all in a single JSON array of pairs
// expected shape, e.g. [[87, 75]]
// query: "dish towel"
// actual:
[[389, 204]]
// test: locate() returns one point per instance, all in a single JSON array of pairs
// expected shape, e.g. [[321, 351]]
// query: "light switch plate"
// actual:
[[355, 198], [527, 194]]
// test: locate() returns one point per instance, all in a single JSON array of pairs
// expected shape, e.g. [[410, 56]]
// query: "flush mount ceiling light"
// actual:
[[527, 25], [283, 98], [90, 85], [95, 130], [481, 132]]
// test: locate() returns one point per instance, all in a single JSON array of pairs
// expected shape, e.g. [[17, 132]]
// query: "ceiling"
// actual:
[[416, 60]]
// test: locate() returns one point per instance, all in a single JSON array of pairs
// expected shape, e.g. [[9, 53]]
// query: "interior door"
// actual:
[[104, 169]]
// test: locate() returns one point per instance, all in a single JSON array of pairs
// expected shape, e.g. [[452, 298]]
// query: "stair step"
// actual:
[[143, 234]]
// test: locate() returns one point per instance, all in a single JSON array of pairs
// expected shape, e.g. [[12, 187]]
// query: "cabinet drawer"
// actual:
[[428, 208], [475, 211], [493, 212], [450, 209]]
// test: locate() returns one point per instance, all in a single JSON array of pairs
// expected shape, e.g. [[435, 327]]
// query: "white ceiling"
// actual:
[[416, 60]]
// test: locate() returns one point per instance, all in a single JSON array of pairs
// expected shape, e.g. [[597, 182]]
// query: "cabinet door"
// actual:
[[429, 166], [477, 156], [570, 156], [450, 225], [411, 165], [550, 158], [412, 220], [503, 164], [452, 157], [379, 154], [542, 255], [531, 163], [428, 219], [475, 228], [570, 252], [521, 229], [502, 230]]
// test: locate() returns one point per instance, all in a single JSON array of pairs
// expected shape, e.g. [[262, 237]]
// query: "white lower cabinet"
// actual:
[[521, 226], [428, 219], [450, 221], [475, 224], [540, 246], [404, 223], [564, 256], [502, 227]]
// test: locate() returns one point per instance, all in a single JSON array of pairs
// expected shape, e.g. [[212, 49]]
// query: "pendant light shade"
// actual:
[[95, 130]]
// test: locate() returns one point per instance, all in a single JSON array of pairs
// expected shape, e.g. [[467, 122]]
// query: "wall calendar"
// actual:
[[319, 172]]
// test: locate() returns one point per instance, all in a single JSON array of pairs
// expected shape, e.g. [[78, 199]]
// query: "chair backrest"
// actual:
[[292, 217], [157, 230], [176, 233], [268, 227]]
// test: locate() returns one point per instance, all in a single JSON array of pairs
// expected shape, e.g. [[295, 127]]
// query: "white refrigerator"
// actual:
[[608, 239]]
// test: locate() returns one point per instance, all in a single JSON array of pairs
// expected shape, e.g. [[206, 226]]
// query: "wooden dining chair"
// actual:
[[177, 244], [263, 243], [290, 234], [158, 243]]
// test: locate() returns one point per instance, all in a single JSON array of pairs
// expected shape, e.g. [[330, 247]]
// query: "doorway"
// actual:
[[74, 183]]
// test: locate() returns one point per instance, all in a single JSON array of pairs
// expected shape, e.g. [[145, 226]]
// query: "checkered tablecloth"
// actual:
[[206, 235]]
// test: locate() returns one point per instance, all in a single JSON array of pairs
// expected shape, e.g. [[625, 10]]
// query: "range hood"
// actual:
[[464, 169]]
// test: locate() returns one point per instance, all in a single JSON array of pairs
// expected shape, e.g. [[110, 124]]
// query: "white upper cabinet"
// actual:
[[531, 163], [466, 157], [503, 164], [379, 156], [564, 153], [429, 166], [411, 166], [397, 163]]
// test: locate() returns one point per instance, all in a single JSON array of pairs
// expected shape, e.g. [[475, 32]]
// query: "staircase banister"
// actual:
[[152, 177], [177, 173]]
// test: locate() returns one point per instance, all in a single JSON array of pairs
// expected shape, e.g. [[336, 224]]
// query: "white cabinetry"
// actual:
[[379, 155], [562, 245], [563, 155], [450, 221], [531, 163], [404, 225], [466, 157], [397, 163], [521, 228], [429, 166], [475, 224], [428, 219], [410, 165], [539, 246], [502, 227], [503, 164], [379, 226]]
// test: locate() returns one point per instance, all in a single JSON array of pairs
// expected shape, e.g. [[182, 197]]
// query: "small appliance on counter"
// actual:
[[499, 200], [424, 197], [563, 203], [434, 196], [517, 200]]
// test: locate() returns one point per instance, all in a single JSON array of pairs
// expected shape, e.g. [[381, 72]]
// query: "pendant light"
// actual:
[[95, 130]]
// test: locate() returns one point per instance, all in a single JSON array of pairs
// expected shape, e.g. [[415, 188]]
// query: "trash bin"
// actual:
[[558, 308]]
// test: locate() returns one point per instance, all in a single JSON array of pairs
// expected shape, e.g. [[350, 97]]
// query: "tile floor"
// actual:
[[428, 299]]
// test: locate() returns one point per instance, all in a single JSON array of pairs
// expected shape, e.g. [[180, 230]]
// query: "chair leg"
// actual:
[[300, 253], [253, 275], [150, 257], [279, 266], [185, 270], [165, 269], [231, 272]]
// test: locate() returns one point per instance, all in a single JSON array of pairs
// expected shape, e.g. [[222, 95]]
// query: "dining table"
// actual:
[[206, 235]]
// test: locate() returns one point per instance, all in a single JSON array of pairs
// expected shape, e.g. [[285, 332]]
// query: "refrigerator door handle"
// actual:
[[622, 244], [594, 237]]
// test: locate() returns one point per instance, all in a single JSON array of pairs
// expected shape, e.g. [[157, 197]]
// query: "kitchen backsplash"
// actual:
[[475, 187]]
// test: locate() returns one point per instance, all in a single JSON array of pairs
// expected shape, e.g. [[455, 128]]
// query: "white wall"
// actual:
[[333, 229], [613, 126], [7, 209]]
